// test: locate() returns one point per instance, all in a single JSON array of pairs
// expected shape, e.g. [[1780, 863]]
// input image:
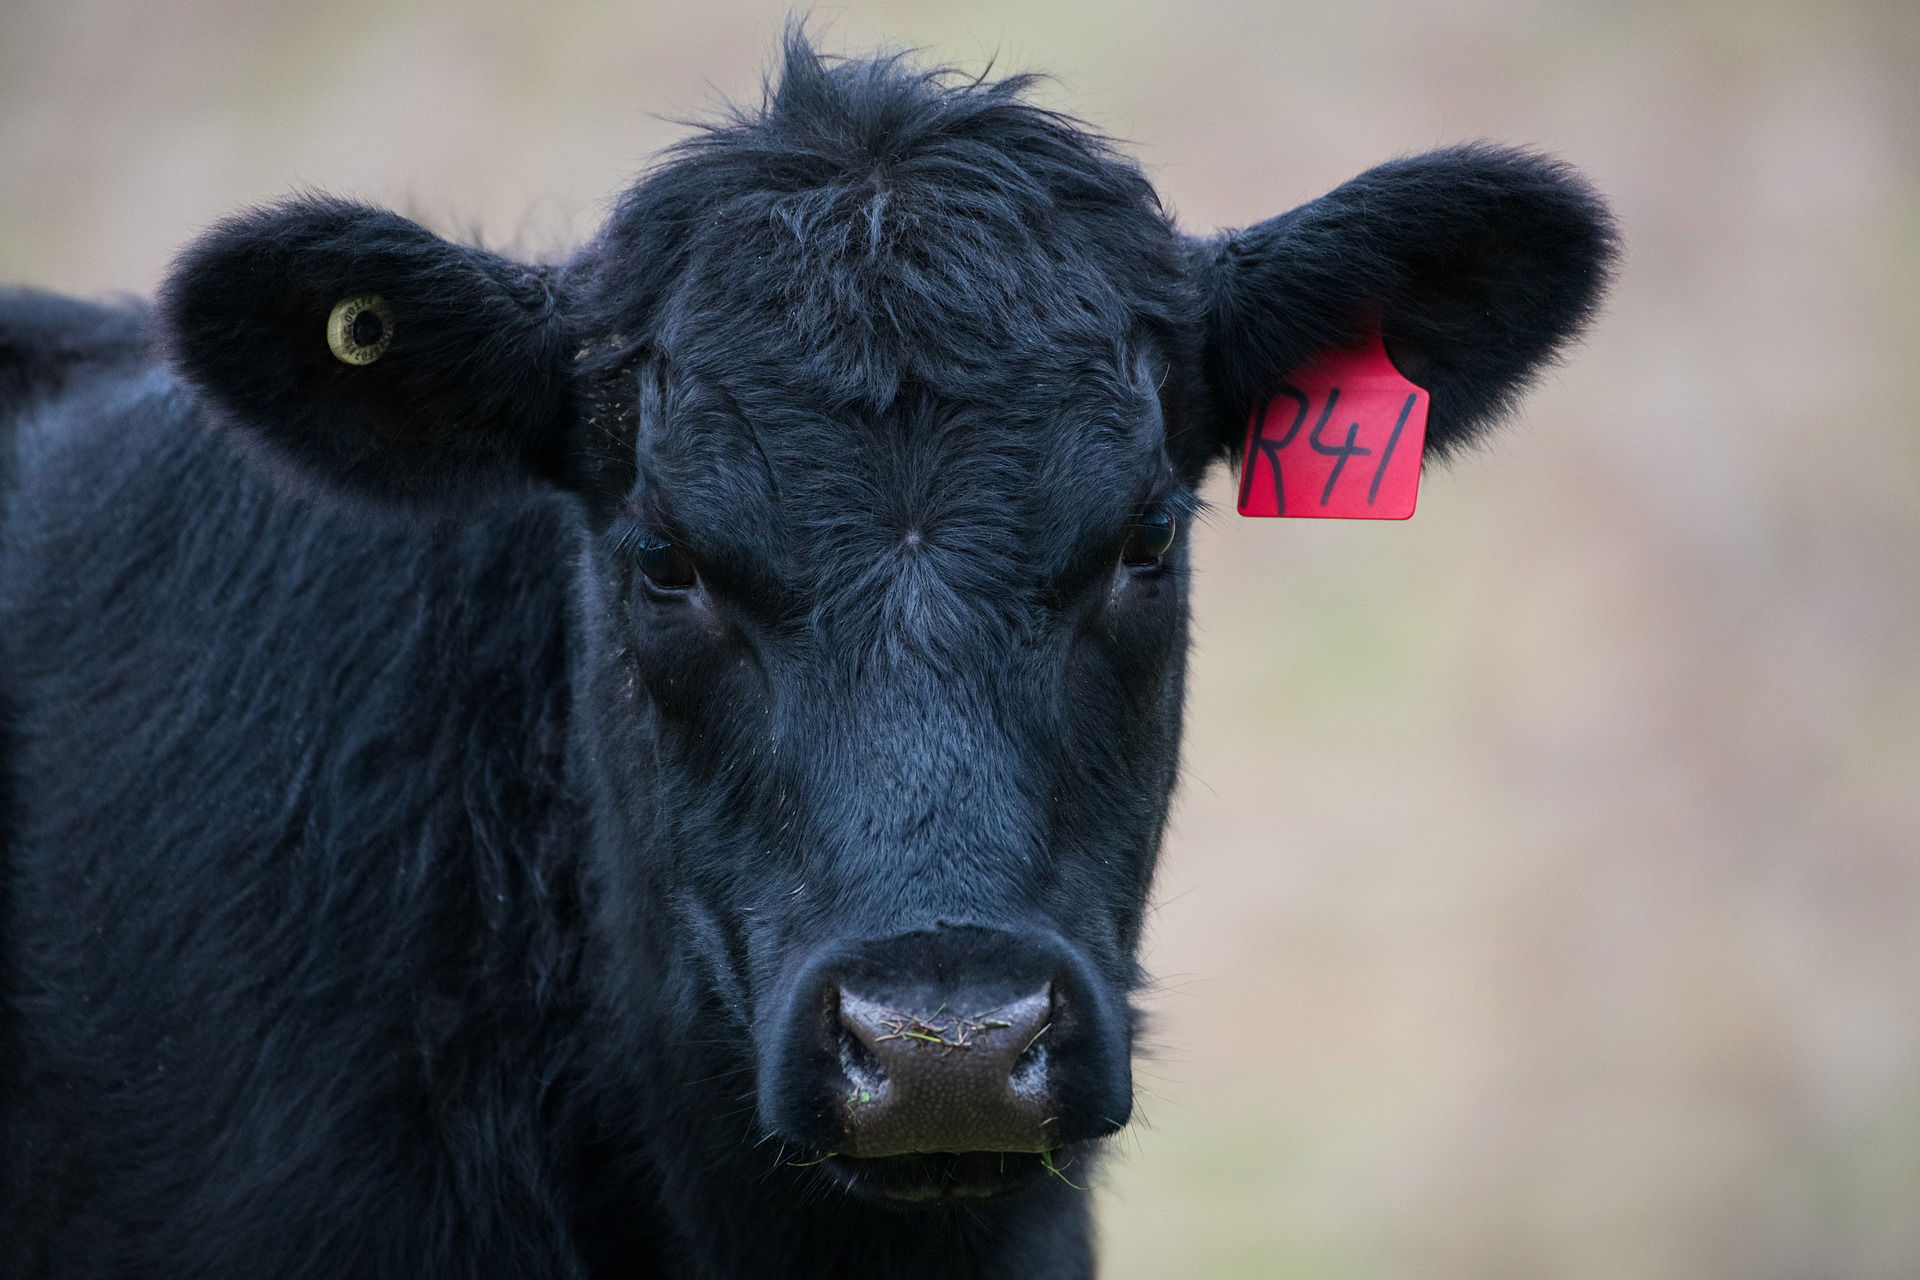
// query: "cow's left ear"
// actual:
[[365, 355], [1476, 263]]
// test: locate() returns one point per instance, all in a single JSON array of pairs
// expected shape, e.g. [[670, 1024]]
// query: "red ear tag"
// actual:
[[1340, 440]]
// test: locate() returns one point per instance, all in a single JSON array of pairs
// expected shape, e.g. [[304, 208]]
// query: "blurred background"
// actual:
[[1544, 895]]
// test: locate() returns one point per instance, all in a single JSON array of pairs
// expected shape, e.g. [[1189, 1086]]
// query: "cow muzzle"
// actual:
[[957, 1077], [949, 1040]]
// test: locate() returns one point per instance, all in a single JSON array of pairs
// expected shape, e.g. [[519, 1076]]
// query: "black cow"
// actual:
[[650, 765]]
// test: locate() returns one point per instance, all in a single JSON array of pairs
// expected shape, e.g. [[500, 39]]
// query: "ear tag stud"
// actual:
[[360, 328], [1340, 440]]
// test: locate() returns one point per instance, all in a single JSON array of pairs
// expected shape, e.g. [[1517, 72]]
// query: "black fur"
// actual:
[[48, 343], [409, 886]]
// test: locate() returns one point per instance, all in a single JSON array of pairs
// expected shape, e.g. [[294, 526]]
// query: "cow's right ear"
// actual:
[[365, 355]]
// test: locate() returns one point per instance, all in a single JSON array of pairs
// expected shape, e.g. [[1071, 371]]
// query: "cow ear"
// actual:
[[1477, 264], [364, 355]]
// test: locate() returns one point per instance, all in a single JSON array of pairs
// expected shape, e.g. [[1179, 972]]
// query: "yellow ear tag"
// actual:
[[360, 328]]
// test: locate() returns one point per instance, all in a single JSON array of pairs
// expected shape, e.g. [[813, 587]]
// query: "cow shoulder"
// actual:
[[48, 341]]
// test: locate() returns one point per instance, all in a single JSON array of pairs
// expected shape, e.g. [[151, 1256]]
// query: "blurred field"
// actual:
[[1545, 895]]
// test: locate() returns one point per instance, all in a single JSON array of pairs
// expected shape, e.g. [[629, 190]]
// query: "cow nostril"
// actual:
[[1029, 1073], [866, 1074]]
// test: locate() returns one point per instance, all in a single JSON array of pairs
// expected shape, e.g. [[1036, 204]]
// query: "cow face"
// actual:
[[883, 413]]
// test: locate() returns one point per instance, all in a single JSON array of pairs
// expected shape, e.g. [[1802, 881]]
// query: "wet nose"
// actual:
[[965, 1075]]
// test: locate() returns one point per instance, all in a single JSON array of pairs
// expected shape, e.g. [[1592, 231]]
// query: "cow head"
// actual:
[[882, 411]]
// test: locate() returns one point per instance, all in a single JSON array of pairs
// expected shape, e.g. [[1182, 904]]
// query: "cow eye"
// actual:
[[666, 564], [1148, 539]]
